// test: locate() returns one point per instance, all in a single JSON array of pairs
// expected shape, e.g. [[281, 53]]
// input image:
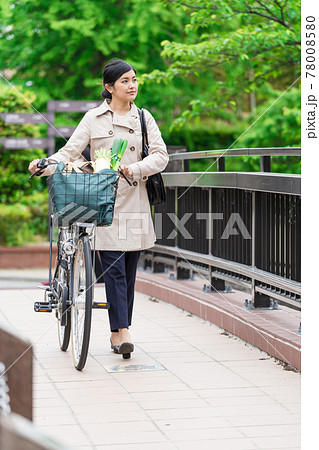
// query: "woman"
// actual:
[[132, 228]]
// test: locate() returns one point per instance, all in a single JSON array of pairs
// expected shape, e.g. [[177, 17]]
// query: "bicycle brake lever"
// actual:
[[125, 178], [35, 173]]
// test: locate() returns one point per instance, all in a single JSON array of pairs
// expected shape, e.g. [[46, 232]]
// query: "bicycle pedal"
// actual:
[[42, 307], [100, 305]]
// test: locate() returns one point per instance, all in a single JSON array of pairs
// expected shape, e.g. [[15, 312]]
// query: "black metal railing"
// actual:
[[264, 154], [237, 228], [278, 234]]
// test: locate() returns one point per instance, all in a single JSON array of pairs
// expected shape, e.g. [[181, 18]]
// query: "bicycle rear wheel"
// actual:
[[82, 296]]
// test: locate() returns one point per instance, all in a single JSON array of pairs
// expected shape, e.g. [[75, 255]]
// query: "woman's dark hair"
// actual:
[[113, 70]]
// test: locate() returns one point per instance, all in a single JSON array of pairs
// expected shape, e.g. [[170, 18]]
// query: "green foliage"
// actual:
[[277, 124], [14, 224], [207, 134], [38, 205], [274, 123], [279, 121], [22, 224], [85, 34], [14, 180], [201, 66], [16, 99], [24, 203], [236, 46]]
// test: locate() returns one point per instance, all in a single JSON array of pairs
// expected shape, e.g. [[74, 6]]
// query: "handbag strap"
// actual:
[[144, 132]]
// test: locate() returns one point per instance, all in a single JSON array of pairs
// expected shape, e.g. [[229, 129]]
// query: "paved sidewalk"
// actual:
[[22, 278], [188, 384]]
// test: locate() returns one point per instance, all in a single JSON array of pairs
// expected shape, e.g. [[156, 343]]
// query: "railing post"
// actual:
[[210, 236], [216, 284], [265, 164], [259, 300], [253, 240], [182, 273], [158, 267], [221, 164]]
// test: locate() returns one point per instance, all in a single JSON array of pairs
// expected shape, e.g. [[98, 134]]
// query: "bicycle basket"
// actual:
[[82, 197]]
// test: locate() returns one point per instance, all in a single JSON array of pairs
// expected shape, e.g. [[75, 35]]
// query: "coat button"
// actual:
[[131, 131], [110, 132], [144, 178], [132, 149], [134, 183]]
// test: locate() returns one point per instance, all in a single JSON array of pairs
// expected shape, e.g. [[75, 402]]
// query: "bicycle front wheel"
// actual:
[[63, 311], [82, 296]]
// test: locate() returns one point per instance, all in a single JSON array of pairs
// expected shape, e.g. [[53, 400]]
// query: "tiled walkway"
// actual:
[[212, 392]]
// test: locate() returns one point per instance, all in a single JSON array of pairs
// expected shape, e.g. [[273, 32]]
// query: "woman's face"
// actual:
[[125, 88]]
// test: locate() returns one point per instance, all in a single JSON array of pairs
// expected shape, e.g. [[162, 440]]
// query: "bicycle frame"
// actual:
[[67, 246]]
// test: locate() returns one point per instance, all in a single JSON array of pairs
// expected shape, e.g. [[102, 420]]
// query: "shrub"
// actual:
[[207, 134], [14, 224], [39, 208], [24, 203], [22, 224], [275, 122], [279, 125], [14, 180]]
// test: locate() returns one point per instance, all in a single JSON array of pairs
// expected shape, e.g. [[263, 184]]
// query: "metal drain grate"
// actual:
[[135, 368]]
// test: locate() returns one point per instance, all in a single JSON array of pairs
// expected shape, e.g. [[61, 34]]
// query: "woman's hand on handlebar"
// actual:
[[37, 166], [33, 166]]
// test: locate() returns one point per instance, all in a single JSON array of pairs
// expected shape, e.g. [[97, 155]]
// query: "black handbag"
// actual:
[[154, 184]]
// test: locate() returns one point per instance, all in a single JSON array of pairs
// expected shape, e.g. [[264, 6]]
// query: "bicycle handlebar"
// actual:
[[43, 164]]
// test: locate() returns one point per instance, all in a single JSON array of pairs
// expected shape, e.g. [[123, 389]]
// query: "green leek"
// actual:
[[119, 147]]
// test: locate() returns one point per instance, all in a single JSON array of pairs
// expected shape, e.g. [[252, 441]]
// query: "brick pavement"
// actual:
[[213, 392]]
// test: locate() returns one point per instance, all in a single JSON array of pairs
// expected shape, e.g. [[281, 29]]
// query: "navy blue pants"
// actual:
[[119, 272]]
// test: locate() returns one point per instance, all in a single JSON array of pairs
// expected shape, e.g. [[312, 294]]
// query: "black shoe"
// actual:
[[125, 349], [115, 348]]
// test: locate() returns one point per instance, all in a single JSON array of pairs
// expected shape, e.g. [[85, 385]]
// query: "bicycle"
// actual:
[[70, 291]]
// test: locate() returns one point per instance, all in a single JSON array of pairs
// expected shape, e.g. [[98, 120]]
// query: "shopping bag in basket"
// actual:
[[83, 197]]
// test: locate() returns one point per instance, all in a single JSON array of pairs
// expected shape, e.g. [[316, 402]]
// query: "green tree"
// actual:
[[217, 57], [280, 128], [237, 46], [60, 47]]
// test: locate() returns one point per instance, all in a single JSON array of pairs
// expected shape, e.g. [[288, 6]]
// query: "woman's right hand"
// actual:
[[33, 165], [127, 171]]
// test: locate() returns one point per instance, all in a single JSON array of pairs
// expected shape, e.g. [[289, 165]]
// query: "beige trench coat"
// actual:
[[132, 227]]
